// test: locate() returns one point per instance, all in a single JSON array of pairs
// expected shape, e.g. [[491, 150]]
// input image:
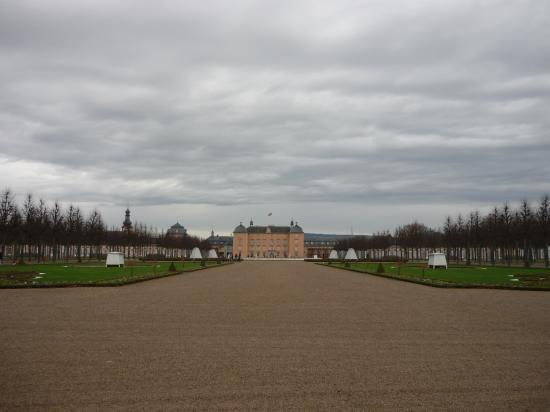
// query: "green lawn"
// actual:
[[515, 277], [86, 273]]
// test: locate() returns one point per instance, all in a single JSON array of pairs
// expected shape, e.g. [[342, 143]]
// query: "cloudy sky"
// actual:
[[363, 114]]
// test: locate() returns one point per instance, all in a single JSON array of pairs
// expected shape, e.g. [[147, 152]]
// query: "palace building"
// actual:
[[176, 231], [320, 244], [269, 241], [223, 245]]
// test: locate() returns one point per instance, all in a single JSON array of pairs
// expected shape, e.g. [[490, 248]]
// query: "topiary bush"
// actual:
[[380, 268], [172, 267]]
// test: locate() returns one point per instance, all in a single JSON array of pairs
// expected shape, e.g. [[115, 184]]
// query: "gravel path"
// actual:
[[274, 335]]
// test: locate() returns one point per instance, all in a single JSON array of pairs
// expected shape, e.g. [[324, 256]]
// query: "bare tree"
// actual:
[[95, 232], [29, 225], [43, 227], [506, 221], [56, 217], [475, 234], [525, 216], [448, 236], [7, 208], [16, 233], [74, 225], [543, 219], [491, 224]]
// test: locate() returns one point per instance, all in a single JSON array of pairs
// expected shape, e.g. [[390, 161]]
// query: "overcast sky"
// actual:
[[363, 114]]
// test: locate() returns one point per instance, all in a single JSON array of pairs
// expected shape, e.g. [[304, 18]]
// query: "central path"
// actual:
[[274, 335]]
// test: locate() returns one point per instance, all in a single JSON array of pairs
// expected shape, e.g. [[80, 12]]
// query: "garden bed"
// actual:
[[492, 277]]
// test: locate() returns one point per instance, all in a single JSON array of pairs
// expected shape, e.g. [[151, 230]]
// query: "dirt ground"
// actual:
[[277, 336]]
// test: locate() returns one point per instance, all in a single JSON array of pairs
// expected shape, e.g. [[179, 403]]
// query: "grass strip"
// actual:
[[115, 281], [446, 283]]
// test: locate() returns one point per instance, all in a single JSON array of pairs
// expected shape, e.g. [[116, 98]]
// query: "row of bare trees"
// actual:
[[505, 235], [36, 231]]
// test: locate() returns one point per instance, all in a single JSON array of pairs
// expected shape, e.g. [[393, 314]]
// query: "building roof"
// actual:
[[177, 230], [326, 237], [268, 229], [127, 224], [218, 240], [293, 228], [240, 228]]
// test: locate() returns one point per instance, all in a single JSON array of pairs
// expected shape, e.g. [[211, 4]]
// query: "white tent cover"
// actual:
[[212, 254], [333, 254], [350, 254], [437, 260], [196, 253], [114, 259]]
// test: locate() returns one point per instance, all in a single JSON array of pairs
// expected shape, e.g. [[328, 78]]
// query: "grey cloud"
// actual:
[[241, 103]]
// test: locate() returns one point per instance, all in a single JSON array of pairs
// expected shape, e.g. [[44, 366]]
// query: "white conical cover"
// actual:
[[333, 254], [212, 254], [350, 254], [196, 253]]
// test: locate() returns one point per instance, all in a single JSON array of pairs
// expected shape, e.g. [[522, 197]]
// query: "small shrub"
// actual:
[[172, 267], [346, 265], [380, 268], [21, 262], [203, 263]]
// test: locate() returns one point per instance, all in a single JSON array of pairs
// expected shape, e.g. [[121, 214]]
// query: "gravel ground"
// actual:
[[278, 336]]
